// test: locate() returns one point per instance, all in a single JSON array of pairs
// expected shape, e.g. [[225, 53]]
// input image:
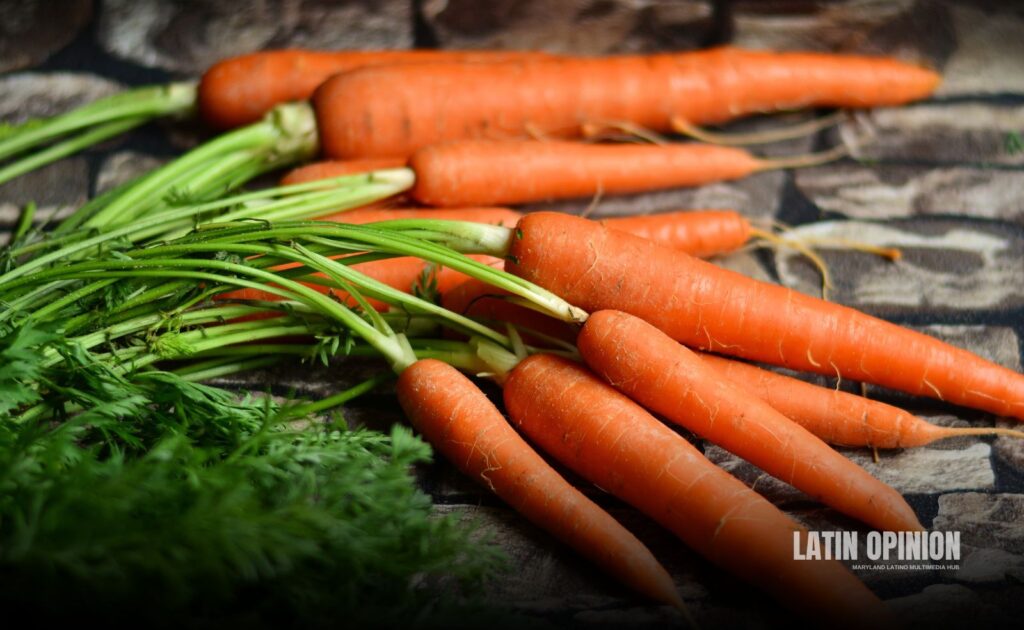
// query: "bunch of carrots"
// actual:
[[645, 321]]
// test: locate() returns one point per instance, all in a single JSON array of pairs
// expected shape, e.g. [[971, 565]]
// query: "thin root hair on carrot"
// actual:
[[767, 136]]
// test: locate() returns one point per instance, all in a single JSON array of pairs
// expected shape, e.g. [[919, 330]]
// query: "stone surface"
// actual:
[[573, 26], [122, 167], [187, 37], [973, 132], [32, 30], [863, 191], [1009, 449], [32, 95], [826, 27], [56, 189], [989, 566], [947, 265], [756, 197], [984, 520], [928, 471], [989, 53]]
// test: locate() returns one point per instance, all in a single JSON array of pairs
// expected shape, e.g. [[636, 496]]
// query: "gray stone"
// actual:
[[1010, 449], [988, 566], [946, 133], [928, 470], [826, 27], [862, 191], [984, 520], [989, 55], [547, 575], [574, 26], [946, 266], [33, 95], [754, 197], [124, 166], [32, 30], [188, 37], [56, 188]]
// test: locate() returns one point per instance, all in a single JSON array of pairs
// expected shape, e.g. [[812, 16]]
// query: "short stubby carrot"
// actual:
[[839, 417], [651, 368], [610, 440], [710, 308], [240, 90], [391, 111], [464, 425], [488, 172]]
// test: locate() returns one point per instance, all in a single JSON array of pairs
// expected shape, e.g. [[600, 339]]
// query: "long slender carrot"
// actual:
[[464, 425], [336, 168], [488, 172], [610, 440], [394, 110], [840, 417], [698, 232], [240, 90], [666, 377], [490, 216], [402, 273], [714, 309]]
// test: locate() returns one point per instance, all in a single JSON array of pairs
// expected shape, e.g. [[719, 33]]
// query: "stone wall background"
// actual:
[[941, 179]]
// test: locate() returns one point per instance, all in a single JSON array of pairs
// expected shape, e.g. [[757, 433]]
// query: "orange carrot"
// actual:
[[700, 233], [839, 417], [667, 378], [484, 172], [490, 216], [714, 309], [464, 425], [611, 441], [336, 168], [697, 232], [478, 299], [240, 90], [400, 273], [392, 111]]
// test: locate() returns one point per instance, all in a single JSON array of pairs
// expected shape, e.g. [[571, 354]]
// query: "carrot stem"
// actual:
[[139, 105]]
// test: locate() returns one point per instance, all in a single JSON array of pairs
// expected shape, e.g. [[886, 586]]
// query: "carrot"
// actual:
[[485, 172], [402, 273], [839, 417], [392, 111], [336, 168], [667, 378], [710, 308], [240, 90], [490, 216], [478, 299], [613, 442], [698, 232], [464, 425]]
